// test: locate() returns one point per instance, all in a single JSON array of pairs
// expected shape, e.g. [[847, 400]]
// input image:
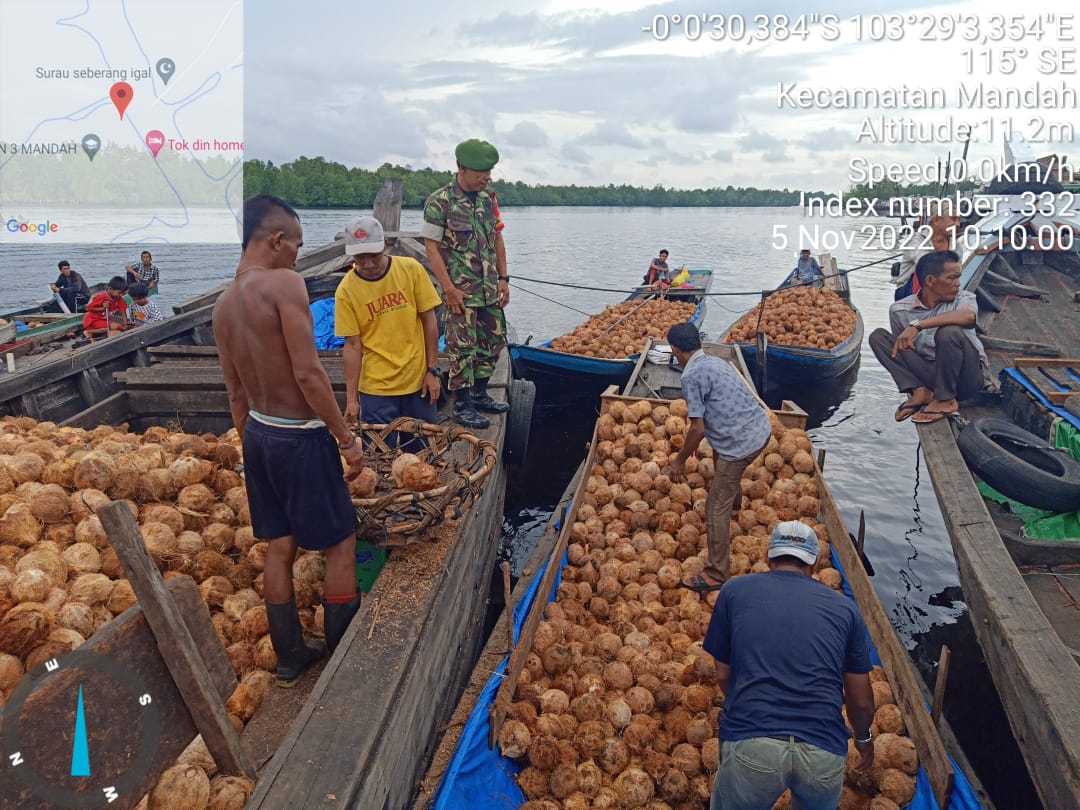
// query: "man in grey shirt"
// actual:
[[723, 409], [932, 351]]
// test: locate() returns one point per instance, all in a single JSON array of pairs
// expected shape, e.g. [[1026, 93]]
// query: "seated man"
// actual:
[[143, 310], [932, 351], [106, 314], [807, 270], [71, 286], [658, 270]]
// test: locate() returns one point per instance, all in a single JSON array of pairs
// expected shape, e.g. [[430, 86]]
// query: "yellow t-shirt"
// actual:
[[385, 314]]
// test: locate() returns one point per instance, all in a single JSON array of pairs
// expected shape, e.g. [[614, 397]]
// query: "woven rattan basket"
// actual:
[[393, 516]]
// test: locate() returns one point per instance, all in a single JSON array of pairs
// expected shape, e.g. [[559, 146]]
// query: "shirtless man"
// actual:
[[292, 430]]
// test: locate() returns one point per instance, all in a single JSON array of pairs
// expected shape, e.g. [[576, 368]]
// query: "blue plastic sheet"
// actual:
[[481, 778], [322, 314], [1068, 416]]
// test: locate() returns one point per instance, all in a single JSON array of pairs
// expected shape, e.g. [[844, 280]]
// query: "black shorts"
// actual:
[[296, 485]]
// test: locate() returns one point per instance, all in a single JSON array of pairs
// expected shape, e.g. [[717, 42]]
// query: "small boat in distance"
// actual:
[[577, 375]]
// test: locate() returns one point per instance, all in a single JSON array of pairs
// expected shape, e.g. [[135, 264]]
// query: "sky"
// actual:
[[581, 94]]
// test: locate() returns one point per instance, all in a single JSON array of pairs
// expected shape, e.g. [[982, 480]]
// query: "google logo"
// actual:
[[41, 228]]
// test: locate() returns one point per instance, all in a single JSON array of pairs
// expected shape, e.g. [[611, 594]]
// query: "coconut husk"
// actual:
[[24, 627], [181, 787]]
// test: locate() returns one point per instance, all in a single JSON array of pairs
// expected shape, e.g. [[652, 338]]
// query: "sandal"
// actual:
[[907, 410], [926, 416], [700, 584]]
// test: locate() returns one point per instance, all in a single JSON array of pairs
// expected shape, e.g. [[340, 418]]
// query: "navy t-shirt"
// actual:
[[788, 640]]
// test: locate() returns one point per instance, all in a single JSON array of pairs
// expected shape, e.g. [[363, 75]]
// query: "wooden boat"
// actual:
[[463, 750], [788, 366], [61, 381], [1023, 594], [587, 377]]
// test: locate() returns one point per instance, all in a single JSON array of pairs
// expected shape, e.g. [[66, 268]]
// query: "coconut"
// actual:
[[94, 471], [56, 599], [76, 616], [633, 786], [363, 486], [198, 755], [154, 485], [189, 543], [91, 589], [899, 753], [61, 635], [162, 513], [236, 499], [397, 469], [265, 657], [249, 694], [121, 597], [82, 558], [254, 623], [181, 787], [31, 585], [185, 471], [11, 670], [514, 739], [51, 504], [224, 480], [882, 694], [242, 657], [897, 786], [160, 541], [196, 497], [90, 532], [419, 477], [186, 443], [24, 627], [46, 560], [18, 526], [23, 467]]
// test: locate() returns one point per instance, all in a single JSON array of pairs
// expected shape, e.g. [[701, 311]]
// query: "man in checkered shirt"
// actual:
[[146, 271]]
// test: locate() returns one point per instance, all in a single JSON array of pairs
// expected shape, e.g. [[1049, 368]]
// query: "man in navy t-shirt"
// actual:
[[789, 650]]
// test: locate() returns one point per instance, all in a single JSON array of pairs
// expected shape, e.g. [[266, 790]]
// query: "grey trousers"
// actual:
[[955, 373]]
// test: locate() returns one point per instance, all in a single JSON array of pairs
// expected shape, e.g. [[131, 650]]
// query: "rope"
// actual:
[[552, 300], [708, 294]]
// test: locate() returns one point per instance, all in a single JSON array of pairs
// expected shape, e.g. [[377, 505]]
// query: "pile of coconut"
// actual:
[[61, 582], [798, 316], [617, 706], [620, 330]]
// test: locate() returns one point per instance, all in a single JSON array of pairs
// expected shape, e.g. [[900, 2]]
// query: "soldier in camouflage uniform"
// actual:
[[463, 237]]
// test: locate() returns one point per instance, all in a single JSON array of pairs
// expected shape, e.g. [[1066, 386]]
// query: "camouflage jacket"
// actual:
[[466, 233]]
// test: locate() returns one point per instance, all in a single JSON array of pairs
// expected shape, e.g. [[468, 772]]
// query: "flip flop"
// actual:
[[907, 410], [926, 416], [700, 584]]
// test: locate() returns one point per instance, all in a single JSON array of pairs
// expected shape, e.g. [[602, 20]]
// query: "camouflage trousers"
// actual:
[[473, 342]]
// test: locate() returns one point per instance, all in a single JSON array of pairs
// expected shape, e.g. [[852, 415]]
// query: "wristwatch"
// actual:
[[917, 324], [504, 278], [435, 370], [869, 737]]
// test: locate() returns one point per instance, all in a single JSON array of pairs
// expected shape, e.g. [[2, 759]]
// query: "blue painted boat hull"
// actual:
[[796, 365]]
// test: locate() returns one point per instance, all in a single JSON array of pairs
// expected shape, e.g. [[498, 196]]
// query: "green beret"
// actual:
[[476, 154]]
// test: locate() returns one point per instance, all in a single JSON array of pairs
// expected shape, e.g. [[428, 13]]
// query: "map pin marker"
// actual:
[[121, 94], [91, 143], [155, 139], [165, 69]]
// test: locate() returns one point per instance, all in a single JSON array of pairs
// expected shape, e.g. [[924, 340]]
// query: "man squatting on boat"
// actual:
[[463, 240], [931, 349], [292, 430]]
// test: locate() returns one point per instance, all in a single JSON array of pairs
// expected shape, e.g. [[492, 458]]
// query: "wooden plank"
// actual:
[[940, 683], [90, 385], [387, 207], [894, 658], [1037, 678], [1056, 604], [127, 640], [110, 411], [175, 642], [364, 735], [1051, 362], [68, 365]]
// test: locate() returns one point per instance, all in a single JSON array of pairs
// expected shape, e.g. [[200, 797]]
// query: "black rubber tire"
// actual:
[[1020, 465], [522, 396]]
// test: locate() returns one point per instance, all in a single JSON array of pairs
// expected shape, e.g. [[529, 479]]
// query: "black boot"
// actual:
[[483, 400], [336, 619], [465, 411], [294, 654]]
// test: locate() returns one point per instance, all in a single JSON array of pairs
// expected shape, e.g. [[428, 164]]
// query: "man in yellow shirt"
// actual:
[[385, 310]]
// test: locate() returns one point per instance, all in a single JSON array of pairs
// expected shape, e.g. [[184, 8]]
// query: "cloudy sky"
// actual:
[[579, 93]]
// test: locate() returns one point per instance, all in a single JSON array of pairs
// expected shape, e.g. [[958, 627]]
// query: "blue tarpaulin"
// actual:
[[480, 777], [322, 313]]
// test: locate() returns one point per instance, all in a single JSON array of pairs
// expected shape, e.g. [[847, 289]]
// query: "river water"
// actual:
[[873, 465]]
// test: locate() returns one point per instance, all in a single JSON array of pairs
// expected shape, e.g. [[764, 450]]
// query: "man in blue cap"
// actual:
[[462, 233], [782, 728]]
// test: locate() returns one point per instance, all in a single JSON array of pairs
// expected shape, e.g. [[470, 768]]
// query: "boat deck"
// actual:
[[1056, 589]]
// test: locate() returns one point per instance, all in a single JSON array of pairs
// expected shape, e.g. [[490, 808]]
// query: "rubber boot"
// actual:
[[465, 412], [336, 619], [294, 654], [483, 400]]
